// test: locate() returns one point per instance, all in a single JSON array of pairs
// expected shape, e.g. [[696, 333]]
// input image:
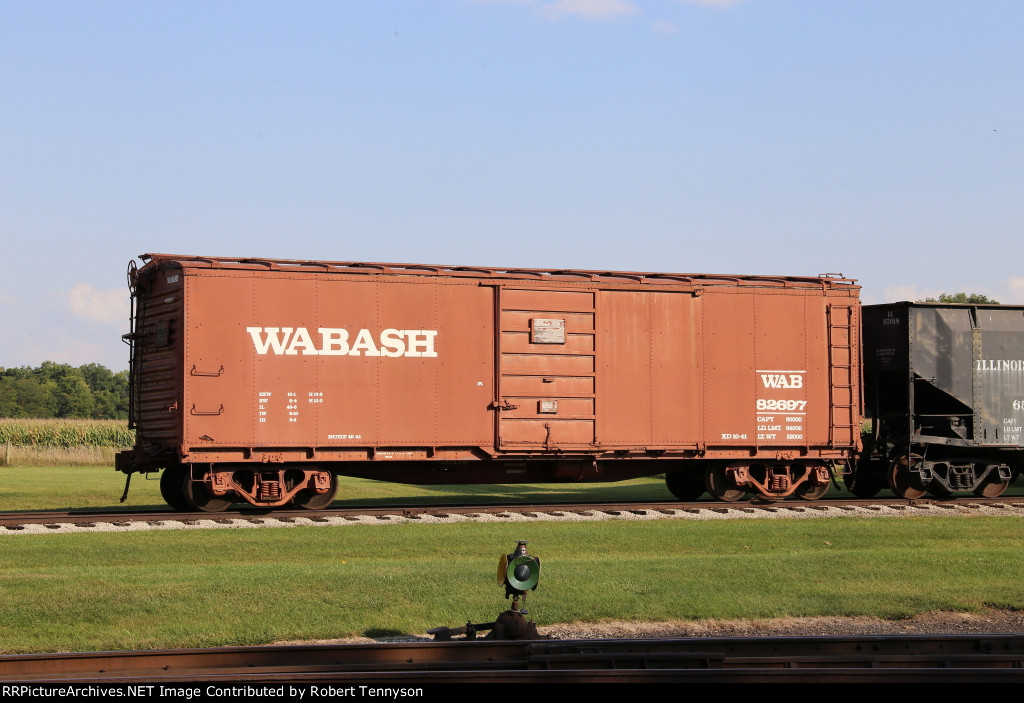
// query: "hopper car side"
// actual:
[[944, 386]]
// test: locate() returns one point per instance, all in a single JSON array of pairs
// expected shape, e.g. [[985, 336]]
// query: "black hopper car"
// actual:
[[944, 391]]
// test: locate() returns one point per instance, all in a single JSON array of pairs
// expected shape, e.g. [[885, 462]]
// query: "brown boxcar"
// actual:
[[261, 380]]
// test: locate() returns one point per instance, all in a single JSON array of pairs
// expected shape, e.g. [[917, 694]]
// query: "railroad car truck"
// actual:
[[944, 385], [260, 381]]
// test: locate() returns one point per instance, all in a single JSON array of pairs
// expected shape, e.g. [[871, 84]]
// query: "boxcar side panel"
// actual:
[[402, 399], [676, 369], [220, 399], [729, 366], [624, 361], [649, 366], [324, 361], [348, 411], [789, 366], [465, 369], [781, 370]]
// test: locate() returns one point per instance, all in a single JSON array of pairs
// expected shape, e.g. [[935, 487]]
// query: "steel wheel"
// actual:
[[866, 481], [902, 481], [810, 491], [171, 488], [863, 487], [198, 496], [311, 500], [685, 484], [991, 487], [720, 486]]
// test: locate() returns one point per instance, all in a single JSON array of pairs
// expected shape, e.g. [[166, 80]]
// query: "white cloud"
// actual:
[[103, 306], [908, 292], [589, 9], [664, 28], [77, 352], [580, 9], [1016, 288], [713, 3]]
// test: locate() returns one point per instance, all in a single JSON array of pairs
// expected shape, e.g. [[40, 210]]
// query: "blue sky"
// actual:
[[880, 139]]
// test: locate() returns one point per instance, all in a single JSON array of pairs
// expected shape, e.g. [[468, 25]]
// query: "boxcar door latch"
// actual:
[[502, 405]]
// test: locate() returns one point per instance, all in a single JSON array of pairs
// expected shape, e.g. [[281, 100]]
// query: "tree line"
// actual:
[[972, 298], [90, 391]]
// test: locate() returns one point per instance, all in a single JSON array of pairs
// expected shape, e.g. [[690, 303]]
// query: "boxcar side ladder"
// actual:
[[842, 372]]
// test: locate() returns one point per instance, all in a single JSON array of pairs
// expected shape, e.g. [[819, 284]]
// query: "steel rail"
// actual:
[[85, 518], [872, 658]]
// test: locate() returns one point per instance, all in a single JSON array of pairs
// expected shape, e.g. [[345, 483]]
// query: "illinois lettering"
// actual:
[[999, 364]]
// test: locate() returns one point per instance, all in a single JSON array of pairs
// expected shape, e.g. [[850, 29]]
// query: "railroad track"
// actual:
[[918, 658], [89, 519]]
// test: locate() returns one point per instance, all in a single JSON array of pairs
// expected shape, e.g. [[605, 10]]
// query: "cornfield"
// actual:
[[65, 434]]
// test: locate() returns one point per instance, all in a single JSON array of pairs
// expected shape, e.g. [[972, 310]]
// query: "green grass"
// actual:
[[24, 488], [99, 591], [60, 487]]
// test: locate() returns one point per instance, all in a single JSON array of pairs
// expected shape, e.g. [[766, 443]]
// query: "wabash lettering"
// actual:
[[778, 380], [336, 341]]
